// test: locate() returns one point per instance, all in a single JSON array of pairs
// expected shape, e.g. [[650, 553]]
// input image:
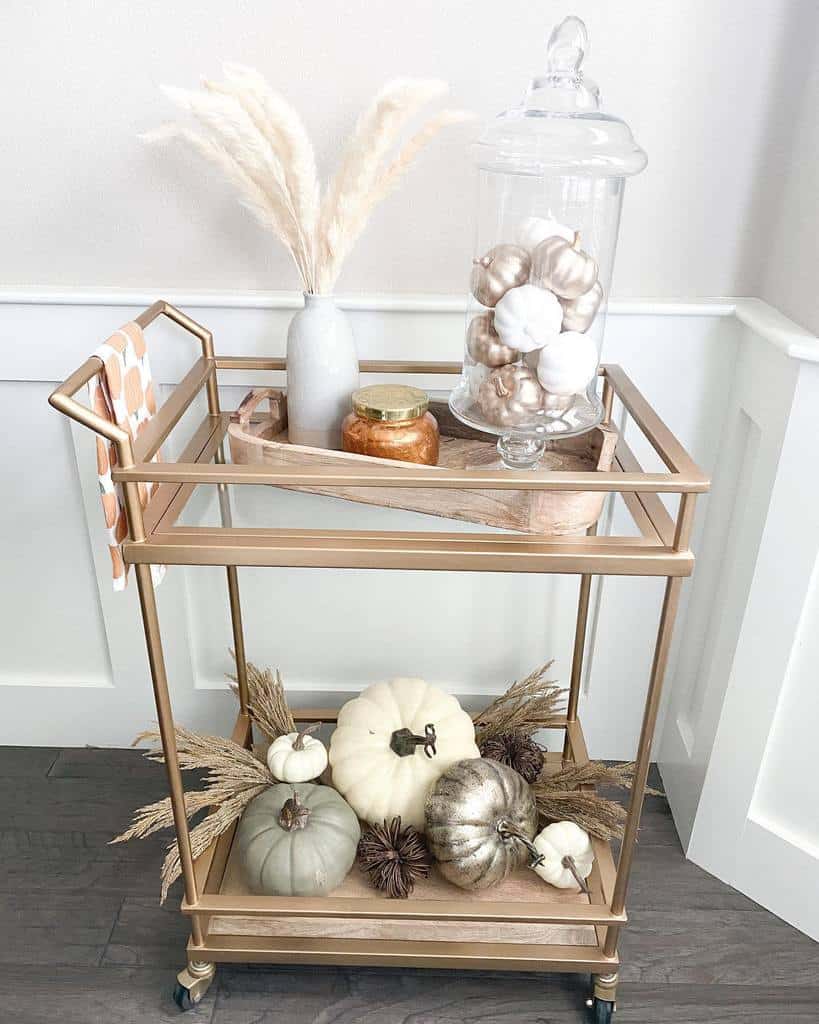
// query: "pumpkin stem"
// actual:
[[293, 814], [576, 240], [507, 831], [501, 389], [482, 261], [568, 862], [403, 741], [298, 742]]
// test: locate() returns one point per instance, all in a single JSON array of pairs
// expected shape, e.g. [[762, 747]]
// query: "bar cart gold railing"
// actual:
[[357, 928]]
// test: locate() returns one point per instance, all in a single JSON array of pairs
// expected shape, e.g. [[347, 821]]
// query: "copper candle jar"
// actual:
[[391, 421]]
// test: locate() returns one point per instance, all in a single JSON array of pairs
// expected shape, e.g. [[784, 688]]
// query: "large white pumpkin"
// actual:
[[382, 762]]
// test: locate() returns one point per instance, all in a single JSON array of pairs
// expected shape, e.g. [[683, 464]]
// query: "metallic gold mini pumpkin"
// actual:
[[484, 344], [510, 396], [479, 816], [503, 267], [579, 313], [563, 267]]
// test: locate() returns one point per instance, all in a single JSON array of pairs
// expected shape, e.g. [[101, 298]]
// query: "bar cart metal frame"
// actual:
[[660, 549]]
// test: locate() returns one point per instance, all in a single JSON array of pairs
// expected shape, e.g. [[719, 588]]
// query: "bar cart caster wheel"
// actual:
[[192, 984], [602, 1010]]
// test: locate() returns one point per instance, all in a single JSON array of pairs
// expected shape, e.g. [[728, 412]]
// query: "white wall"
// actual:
[[84, 203], [786, 238]]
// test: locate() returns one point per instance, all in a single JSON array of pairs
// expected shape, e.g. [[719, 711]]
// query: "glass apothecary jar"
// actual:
[[551, 175]]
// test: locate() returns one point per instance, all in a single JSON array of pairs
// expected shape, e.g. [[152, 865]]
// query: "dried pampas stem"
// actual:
[[267, 702], [234, 777], [260, 144], [528, 705], [558, 797]]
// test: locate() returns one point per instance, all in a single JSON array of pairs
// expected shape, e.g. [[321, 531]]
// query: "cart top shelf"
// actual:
[[158, 536]]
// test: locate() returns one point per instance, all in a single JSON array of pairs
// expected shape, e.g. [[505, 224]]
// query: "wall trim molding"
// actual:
[[763, 319], [375, 303]]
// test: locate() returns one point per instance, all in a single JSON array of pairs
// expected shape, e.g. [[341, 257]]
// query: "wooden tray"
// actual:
[[263, 439]]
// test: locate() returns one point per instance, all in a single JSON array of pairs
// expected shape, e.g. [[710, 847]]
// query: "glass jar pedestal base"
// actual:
[[522, 446], [519, 452]]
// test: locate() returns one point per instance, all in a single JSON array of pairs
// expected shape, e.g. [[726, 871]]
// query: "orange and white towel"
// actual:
[[122, 393]]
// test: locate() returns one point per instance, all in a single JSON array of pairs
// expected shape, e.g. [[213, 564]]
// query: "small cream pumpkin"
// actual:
[[391, 744], [527, 318], [534, 230], [568, 364], [564, 855], [297, 757], [476, 374]]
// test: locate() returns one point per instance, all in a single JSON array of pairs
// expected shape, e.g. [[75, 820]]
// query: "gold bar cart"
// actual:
[[519, 927]]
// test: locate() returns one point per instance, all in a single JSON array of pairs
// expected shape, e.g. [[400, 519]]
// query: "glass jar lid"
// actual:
[[559, 128], [390, 402]]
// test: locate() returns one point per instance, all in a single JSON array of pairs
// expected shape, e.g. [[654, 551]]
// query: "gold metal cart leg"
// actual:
[[238, 636], [577, 657], [579, 649], [655, 686], [156, 660], [226, 514]]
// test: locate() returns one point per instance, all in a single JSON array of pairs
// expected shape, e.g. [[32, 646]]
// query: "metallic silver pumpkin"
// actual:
[[503, 267], [511, 396], [578, 313], [484, 344], [480, 815], [563, 267]]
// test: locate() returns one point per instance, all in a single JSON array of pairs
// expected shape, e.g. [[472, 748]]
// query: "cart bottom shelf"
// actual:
[[520, 925], [523, 887]]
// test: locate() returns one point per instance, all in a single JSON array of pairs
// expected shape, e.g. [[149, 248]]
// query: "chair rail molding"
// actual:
[[735, 379]]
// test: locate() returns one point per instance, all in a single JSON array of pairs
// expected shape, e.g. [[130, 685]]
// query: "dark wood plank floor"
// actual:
[[85, 941]]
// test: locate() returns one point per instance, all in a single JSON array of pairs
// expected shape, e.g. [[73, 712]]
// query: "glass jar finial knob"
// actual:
[[567, 47]]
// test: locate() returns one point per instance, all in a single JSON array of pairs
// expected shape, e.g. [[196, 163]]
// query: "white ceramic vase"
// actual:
[[322, 372]]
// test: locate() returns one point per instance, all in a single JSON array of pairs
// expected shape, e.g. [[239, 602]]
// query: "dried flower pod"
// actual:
[[516, 749], [394, 857]]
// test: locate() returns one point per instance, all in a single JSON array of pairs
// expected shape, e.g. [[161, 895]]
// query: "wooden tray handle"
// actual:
[[277, 410]]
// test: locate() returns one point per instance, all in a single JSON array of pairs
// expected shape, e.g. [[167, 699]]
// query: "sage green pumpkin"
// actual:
[[297, 840]]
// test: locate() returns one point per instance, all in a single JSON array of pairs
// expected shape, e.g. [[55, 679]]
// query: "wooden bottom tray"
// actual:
[[256, 439], [524, 887]]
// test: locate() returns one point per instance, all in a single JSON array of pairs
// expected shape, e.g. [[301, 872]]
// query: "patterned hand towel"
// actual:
[[122, 393]]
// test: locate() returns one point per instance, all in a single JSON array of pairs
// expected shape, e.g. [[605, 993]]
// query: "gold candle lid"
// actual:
[[390, 402]]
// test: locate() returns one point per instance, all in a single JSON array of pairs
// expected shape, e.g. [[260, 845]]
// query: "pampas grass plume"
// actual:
[[260, 145]]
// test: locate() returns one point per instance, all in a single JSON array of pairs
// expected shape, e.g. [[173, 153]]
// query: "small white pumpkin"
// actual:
[[564, 855], [392, 743], [297, 757], [568, 364], [527, 318], [476, 374], [534, 230]]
